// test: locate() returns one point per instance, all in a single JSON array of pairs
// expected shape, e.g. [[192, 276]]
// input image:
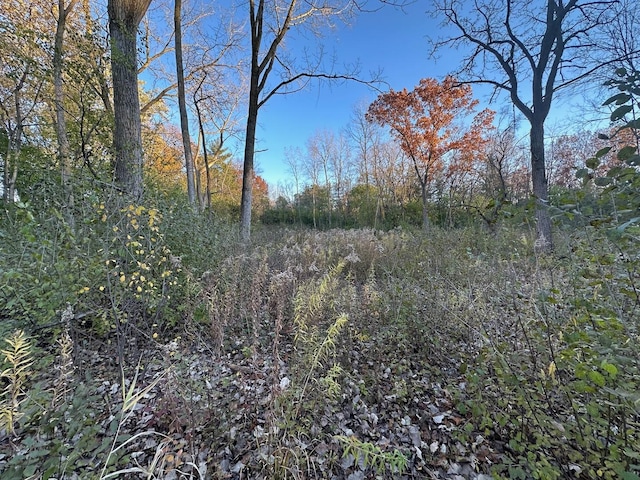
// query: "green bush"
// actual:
[[559, 386]]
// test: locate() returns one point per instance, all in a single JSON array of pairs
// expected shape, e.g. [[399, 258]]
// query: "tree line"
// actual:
[[360, 176], [88, 89]]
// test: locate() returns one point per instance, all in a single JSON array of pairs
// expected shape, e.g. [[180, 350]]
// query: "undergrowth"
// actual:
[[463, 340]]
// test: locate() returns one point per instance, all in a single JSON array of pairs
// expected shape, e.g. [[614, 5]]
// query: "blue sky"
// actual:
[[389, 39], [396, 41], [393, 40]]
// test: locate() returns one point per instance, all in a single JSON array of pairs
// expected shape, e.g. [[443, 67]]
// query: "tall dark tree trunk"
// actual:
[[124, 18], [64, 150], [182, 105], [256, 17], [205, 156], [540, 185], [205, 152], [249, 149]]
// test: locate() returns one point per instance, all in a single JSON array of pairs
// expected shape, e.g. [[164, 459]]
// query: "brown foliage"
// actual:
[[427, 124]]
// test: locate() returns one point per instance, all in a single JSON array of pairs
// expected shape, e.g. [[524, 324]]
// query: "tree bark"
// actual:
[[61, 124], [205, 152], [425, 203], [124, 17], [14, 145], [248, 170], [540, 186], [182, 105]]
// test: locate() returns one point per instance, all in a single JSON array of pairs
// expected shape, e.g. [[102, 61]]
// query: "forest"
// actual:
[[444, 288]]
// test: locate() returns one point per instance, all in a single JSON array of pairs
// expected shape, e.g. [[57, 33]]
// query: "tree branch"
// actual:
[[327, 76]]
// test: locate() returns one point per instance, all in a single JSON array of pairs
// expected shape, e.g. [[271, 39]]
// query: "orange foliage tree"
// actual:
[[164, 158], [225, 177], [165, 167], [428, 124]]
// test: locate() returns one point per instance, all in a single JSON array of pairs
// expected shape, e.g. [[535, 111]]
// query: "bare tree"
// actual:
[[217, 95], [622, 40], [124, 18], [321, 150], [342, 169], [182, 104], [312, 167], [270, 22], [530, 50], [366, 139], [293, 159]]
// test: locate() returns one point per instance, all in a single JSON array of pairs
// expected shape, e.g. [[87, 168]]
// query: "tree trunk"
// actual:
[[64, 149], [544, 240], [206, 204], [182, 105], [425, 202], [249, 149], [124, 17], [14, 144], [10, 173], [327, 185]]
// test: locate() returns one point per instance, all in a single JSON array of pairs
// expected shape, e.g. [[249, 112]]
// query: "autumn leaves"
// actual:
[[431, 125]]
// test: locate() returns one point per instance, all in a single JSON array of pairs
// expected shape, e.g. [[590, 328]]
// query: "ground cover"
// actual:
[[348, 354]]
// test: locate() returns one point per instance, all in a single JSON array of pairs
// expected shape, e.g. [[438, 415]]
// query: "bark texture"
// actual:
[[64, 150], [124, 18], [182, 105]]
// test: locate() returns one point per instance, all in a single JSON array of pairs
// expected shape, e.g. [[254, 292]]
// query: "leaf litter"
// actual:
[[236, 412]]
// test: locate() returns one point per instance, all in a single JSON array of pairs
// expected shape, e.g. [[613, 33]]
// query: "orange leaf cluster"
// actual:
[[428, 124]]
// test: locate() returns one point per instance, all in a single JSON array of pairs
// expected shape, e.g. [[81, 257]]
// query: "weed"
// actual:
[[18, 356]]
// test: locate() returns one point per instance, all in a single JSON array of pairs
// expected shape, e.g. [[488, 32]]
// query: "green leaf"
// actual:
[[634, 160], [619, 99], [597, 378], [626, 152], [603, 181], [603, 151], [631, 454], [30, 470], [620, 112], [614, 172], [592, 162], [629, 476], [38, 453], [582, 173], [610, 368]]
